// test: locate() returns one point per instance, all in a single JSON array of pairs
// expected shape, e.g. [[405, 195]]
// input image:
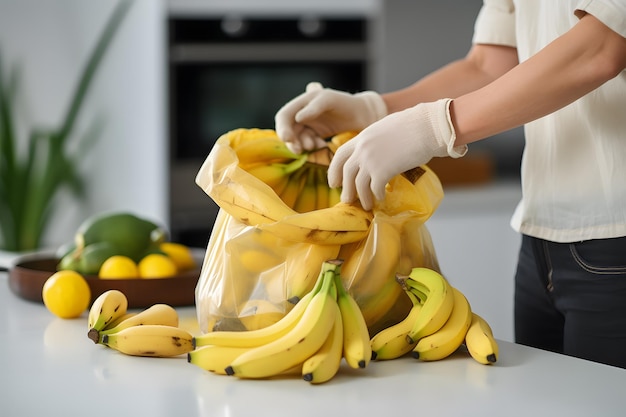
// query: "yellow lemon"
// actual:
[[66, 294], [118, 267], [157, 265], [180, 254]]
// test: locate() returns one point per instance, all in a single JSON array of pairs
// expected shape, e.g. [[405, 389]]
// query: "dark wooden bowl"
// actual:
[[27, 277]]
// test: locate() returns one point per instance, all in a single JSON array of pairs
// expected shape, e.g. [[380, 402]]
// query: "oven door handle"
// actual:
[[271, 53]]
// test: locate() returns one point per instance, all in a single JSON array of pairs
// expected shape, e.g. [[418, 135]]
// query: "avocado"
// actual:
[[130, 234]]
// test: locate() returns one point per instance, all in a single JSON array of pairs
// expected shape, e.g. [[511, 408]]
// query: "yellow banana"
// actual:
[[391, 342], [324, 364], [290, 193], [302, 267], [252, 203], [480, 342], [238, 138], [373, 272], [258, 337], [150, 340], [446, 340], [239, 193], [373, 265], [307, 199], [257, 314], [337, 225], [109, 306], [417, 245], [297, 345], [119, 320], [264, 149], [387, 305], [334, 196], [402, 302], [257, 260], [215, 358], [357, 349], [438, 304], [276, 174], [266, 335], [417, 190], [162, 314], [321, 183], [339, 139]]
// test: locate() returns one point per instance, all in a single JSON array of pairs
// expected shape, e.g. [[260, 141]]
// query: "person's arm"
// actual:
[[482, 65], [574, 64], [571, 66]]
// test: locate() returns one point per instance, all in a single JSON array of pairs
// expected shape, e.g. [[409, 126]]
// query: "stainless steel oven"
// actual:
[[231, 72]]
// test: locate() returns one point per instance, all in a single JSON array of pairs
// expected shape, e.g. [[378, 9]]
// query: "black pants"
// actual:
[[571, 298]]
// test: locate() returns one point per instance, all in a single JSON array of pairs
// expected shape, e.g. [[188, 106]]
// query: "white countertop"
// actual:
[[50, 367]]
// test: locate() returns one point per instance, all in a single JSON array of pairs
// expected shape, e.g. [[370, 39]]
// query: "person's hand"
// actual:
[[319, 113], [401, 141]]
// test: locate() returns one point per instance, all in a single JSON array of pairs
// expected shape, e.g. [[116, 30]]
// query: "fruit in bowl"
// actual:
[[107, 235], [117, 251]]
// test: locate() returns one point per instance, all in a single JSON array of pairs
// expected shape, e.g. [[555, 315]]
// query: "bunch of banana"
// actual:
[[254, 178], [307, 188], [439, 322], [299, 180], [162, 314], [445, 341], [438, 296], [357, 349], [324, 326], [151, 332]]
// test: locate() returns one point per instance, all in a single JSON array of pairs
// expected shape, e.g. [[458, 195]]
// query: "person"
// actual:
[[558, 69]]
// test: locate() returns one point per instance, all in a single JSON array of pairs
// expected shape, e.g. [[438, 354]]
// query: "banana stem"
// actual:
[[402, 280], [330, 269], [296, 164]]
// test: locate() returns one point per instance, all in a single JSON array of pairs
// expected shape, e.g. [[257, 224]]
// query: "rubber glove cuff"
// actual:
[[445, 135], [374, 107]]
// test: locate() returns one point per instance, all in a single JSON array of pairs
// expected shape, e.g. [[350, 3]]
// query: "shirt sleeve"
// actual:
[[610, 12], [495, 23]]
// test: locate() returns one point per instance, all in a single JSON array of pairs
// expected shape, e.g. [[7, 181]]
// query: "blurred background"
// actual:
[[181, 72]]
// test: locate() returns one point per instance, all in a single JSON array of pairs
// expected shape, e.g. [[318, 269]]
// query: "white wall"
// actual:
[[50, 40]]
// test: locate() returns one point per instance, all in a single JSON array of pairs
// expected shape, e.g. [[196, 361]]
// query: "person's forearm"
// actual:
[[482, 65], [570, 67]]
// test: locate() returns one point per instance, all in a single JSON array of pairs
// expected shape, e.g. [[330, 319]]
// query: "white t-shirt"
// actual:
[[574, 162]]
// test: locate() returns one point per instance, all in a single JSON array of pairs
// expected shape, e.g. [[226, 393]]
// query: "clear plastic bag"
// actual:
[[252, 275]]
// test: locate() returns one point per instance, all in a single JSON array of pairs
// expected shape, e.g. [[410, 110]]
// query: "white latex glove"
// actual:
[[319, 113], [396, 143]]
